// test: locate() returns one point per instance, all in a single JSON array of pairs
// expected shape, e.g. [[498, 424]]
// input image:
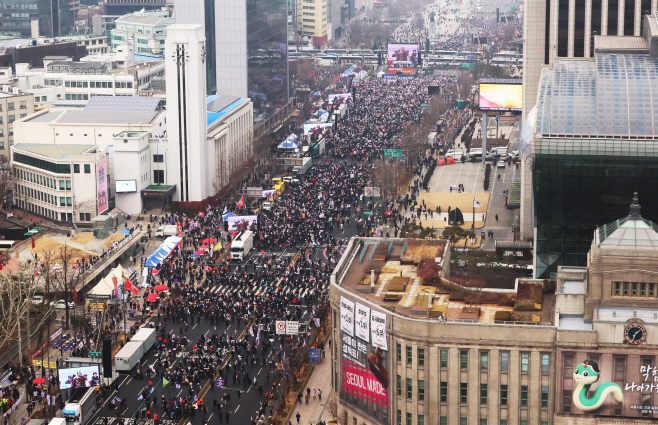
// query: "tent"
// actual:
[[441, 162], [105, 288], [288, 144], [163, 251], [450, 160]]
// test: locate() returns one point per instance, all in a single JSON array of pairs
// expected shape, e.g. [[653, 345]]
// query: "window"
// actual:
[[11, 118], [634, 289], [158, 176], [409, 388], [463, 421], [62, 201], [399, 417], [443, 392], [544, 396], [620, 366], [421, 357], [523, 422], [525, 360], [463, 392], [503, 395], [61, 184], [504, 361], [76, 168], [421, 390], [158, 158], [409, 355], [651, 289], [68, 201], [463, 359], [399, 385], [398, 349], [566, 401], [2, 145], [409, 418], [444, 358], [10, 106], [643, 289], [625, 289], [68, 185], [82, 216], [545, 363], [483, 393], [503, 422], [22, 104], [568, 364], [524, 396], [483, 421], [87, 168], [443, 420], [421, 419], [484, 360], [22, 116]]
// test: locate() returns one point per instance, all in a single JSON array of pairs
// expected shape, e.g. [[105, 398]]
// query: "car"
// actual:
[[290, 180], [61, 304], [267, 206], [501, 164], [37, 299]]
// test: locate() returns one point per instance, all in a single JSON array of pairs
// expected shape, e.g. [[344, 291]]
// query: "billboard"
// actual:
[[308, 128], [79, 377], [364, 358], [125, 186], [402, 59], [101, 186], [619, 384], [242, 222], [501, 97], [342, 98]]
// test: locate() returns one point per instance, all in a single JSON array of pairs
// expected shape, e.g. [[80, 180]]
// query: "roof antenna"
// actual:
[[634, 213]]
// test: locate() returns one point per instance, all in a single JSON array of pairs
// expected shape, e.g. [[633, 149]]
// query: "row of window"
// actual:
[[94, 84], [11, 105], [634, 289], [463, 359], [443, 420], [47, 181], [45, 197], [37, 209]]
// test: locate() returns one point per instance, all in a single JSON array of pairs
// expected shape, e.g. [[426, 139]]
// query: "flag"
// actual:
[[241, 203], [33, 244], [165, 381], [75, 296], [114, 280], [476, 203], [141, 397], [178, 386], [130, 287]]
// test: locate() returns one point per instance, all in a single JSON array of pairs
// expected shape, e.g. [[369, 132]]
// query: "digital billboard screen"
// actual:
[[125, 186], [339, 98], [79, 377], [501, 97], [402, 59], [242, 222], [364, 357]]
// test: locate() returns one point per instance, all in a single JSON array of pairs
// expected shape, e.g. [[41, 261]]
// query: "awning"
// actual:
[[163, 251]]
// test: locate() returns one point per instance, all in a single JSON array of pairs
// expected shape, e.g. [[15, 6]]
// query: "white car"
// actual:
[[501, 164], [267, 206], [37, 299], [290, 180], [61, 304]]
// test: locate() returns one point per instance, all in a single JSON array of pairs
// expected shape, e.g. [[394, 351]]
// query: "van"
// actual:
[[456, 154]]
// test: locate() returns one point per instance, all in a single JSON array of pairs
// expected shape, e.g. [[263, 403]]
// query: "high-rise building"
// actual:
[[186, 95], [53, 17], [122, 7]]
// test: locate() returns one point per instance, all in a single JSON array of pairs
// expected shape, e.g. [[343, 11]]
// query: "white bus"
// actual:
[[6, 245]]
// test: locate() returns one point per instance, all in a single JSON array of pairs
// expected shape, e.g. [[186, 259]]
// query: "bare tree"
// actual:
[[7, 180], [509, 31]]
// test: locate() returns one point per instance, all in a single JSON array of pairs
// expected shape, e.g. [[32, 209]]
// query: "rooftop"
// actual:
[[114, 110], [45, 117], [78, 65], [59, 152], [612, 94], [220, 105], [633, 232], [144, 20]]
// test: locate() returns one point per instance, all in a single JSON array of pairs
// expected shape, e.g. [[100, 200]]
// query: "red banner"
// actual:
[[38, 352], [130, 287], [360, 382]]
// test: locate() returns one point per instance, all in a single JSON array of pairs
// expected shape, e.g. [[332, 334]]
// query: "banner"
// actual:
[[56, 334], [270, 193], [130, 287], [242, 222], [378, 329], [342, 98], [320, 127], [359, 381], [347, 316], [362, 322], [38, 352], [101, 186]]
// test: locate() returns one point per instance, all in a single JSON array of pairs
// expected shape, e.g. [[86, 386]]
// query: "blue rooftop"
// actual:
[[218, 106]]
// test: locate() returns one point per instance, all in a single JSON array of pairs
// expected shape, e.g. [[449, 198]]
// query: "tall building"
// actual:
[[122, 7], [52, 17], [186, 95], [13, 107], [148, 29], [312, 20]]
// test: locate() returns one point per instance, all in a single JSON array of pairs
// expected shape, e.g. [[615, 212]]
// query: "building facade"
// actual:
[[14, 105], [94, 44], [122, 7], [57, 182], [148, 29], [312, 19], [53, 18]]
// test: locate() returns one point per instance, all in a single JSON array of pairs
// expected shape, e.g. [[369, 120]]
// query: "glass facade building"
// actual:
[[267, 50], [593, 146], [56, 17]]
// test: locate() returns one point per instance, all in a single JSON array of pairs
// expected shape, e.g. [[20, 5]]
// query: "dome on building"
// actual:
[[632, 232]]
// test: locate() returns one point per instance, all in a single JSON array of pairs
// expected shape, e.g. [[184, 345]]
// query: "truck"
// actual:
[[318, 148], [431, 138], [501, 151], [57, 421], [166, 230], [80, 406], [242, 244], [146, 336], [301, 169], [129, 356]]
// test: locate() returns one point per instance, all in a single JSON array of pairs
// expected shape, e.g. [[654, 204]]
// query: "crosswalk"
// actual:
[[258, 289]]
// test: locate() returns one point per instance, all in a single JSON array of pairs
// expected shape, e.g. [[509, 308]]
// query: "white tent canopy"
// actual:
[[104, 288]]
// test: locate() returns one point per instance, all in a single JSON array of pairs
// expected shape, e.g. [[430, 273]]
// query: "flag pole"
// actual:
[[473, 222]]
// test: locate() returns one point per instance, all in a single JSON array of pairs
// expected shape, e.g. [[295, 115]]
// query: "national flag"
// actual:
[[476, 203], [178, 386], [141, 397], [130, 287], [241, 203]]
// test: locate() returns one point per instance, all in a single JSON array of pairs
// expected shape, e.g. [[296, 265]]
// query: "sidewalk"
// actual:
[[315, 410]]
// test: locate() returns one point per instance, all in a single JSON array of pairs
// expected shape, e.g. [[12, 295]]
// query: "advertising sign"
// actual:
[[347, 316], [403, 53], [363, 322], [101, 186], [339, 98], [308, 128], [125, 186], [501, 97], [79, 377], [270, 193], [365, 374], [609, 384], [242, 222]]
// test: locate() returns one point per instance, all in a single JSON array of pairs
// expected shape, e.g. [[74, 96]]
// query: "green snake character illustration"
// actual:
[[585, 375]]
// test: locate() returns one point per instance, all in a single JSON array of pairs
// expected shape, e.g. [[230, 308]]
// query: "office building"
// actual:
[[34, 18], [589, 140], [148, 29], [20, 50], [93, 44], [122, 7], [312, 22], [56, 181], [14, 105]]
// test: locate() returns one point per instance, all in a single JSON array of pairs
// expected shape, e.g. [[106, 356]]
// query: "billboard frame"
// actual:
[[500, 82]]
